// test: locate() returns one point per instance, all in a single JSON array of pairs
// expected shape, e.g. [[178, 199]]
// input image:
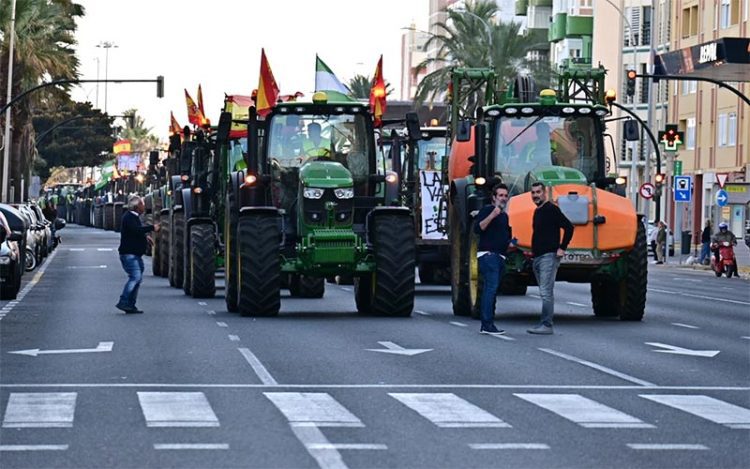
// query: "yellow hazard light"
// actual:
[[391, 178], [480, 181], [610, 96], [434, 123], [250, 179], [320, 97], [197, 190]]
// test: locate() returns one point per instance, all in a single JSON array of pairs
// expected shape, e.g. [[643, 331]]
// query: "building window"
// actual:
[[690, 134], [685, 87], [646, 28], [724, 14], [693, 87], [732, 129], [722, 131]]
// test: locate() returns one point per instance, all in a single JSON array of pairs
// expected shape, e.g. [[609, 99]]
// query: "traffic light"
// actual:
[[659, 180], [630, 83], [671, 138], [160, 86]]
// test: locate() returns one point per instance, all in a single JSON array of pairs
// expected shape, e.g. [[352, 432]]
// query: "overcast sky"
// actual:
[[217, 43]]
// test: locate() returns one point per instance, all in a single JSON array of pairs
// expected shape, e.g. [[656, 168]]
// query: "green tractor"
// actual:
[[311, 205], [558, 138]]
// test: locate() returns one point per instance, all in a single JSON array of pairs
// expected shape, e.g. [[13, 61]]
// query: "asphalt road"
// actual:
[[188, 384]]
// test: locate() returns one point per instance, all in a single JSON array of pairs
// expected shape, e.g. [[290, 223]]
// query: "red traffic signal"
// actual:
[[630, 84], [659, 178]]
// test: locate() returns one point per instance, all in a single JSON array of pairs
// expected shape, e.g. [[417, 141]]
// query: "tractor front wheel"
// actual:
[[464, 268], [202, 261], [177, 262], [259, 265], [302, 286]]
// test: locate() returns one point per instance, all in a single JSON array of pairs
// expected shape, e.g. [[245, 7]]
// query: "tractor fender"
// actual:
[[380, 211], [245, 211], [458, 198]]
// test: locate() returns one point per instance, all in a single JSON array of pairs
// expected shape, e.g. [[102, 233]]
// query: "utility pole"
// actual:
[[6, 140]]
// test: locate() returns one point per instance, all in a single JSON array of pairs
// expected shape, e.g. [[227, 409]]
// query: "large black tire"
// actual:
[[464, 268], [231, 274], [9, 288], [625, 298], [202, 261], [109, 217], [177, 261], [426, 274], [165, 247], [389, 291], [510, 287], [302, 286], [259, 265]]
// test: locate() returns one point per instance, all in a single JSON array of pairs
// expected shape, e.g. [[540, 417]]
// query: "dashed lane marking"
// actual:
[[596, 366], [459, 324], [33, 447], [221, 324], [671, 447], [687, 326], [725, 300], [508, 446], [422, 313], [234, 338], [22, 294], [178, 446], [572, 303]]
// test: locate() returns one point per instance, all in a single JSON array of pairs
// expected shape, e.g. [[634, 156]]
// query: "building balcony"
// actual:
[[540, 3], [537, 39], [579, 26], [558, 27], [521, 7]]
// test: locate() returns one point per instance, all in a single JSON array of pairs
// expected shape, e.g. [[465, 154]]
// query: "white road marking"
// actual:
[[583, 411], [508, 446], [318, 446], [345, 446], [87, 267], [596, 366], [202, 303], [709, 408], [688, 326], [177, 409], [682, 351], [260, 370], [191, 446], [504, 337], [76, 249], [726, 300], [33, 447], [234, 338], [422, 313], [535, 296], [459, 324], [745, 337], [673, 446], [104, 249], [102, 347], [221, 324], [696, 280], [396, 349], [34, 280], [40, 410], [572, 303], [346, 288], [315, 409], [446, 410], [211, 312]]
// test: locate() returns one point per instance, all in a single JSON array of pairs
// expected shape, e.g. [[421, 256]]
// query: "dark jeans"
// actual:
[[705, 251], [133, 266], [545, 270], [491, 267]]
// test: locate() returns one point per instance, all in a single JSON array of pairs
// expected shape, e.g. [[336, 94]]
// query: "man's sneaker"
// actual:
[[492, 331], [541, 329], [125, 308], [135, 311]]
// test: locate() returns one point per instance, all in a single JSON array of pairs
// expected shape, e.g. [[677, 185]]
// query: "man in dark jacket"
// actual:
[[133, 246], [494, 237], [548, 250]]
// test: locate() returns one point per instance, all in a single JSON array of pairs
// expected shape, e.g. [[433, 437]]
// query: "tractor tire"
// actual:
[[177, 262], [389, 291], [109, 217], [156, 254], [202, 261], [164, 246], [302, 286], [426, 274], [603, 298], [259, 237], [465, 288], [231, 277]]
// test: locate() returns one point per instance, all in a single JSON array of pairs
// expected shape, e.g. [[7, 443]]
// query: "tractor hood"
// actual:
[[554, 175], [325, 174]]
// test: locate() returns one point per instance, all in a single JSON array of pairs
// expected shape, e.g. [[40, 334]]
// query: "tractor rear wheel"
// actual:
[[389, 291], [177, 262], [164, 245], [464, 268], [512, 287], [231, 277], [303, 286], [202, 261], [603, 298], [109, 217], [259, 265]]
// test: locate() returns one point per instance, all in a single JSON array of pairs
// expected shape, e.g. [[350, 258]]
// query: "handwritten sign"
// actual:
[[432, 190]]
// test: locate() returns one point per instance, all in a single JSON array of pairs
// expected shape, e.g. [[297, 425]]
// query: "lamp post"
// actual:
[[106, 45], [6, 140]]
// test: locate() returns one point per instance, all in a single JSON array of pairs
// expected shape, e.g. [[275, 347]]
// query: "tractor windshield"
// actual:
[[526, 144], [295, 139], [430, 153]]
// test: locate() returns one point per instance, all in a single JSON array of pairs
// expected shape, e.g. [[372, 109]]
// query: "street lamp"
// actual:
[[106, 45]]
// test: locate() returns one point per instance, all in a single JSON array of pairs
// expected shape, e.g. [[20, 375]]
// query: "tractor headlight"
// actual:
[[313, 192], [4, 260], [344, 193]]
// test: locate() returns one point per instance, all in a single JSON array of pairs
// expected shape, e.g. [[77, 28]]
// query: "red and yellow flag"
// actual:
[[194, 114], [377, 94], [174, 126], [268, 90], [204, 120]]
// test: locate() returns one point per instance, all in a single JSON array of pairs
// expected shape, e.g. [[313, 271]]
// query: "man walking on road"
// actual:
[[494, 237], [133, 246], [548, 250]]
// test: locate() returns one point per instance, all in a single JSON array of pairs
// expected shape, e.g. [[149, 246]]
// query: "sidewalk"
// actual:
[[741, 251]]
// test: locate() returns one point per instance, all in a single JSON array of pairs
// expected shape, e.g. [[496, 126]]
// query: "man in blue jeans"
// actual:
[[548, 250], [494, 237], [133, 246]]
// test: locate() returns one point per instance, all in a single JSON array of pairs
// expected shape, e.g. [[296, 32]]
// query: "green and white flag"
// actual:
[[325, 80], [108, 169]]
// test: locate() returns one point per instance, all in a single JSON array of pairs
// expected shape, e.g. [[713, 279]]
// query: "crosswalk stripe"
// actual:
[[33, 447], [583, 411], [177, 409], [724, 413], [446, 410], [40, 410], [319, 409]]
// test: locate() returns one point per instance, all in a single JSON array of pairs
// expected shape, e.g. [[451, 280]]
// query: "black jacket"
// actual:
[[133, 235], [547, 223], [498, 233]]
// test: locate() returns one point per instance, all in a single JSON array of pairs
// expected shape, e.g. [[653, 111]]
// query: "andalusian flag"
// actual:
[[325, 80], [108, 171], [377, 94], [268, 90], [194, 114]]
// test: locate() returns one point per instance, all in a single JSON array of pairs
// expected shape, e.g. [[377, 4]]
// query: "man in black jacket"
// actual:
[[548, 250], [133, 246]]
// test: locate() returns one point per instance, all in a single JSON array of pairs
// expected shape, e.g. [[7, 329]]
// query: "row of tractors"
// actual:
[[313, 191]]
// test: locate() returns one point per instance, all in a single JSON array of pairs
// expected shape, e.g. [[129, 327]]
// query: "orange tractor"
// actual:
[[558, 138]]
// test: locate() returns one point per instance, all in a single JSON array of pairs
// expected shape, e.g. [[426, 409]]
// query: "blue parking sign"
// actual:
[[682, 188]]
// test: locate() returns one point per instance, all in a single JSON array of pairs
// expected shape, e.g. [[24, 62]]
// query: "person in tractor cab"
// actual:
[[724, 235], [538, 152], [314, 145]]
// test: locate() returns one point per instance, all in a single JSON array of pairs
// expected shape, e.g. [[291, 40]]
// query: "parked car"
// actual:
[[47, 247], [34, 237], [651, 232], [12, 250]]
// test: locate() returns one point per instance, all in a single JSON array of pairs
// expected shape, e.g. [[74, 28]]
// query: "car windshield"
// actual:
[[295, 139], [525, 144]]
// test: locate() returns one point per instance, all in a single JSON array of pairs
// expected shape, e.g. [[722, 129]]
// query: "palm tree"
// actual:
[[43, 51], [472, 38], [140, 136]]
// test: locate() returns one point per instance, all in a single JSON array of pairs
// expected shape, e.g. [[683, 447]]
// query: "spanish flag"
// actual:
[[204, 120], [377, 94], [174, 126], [268, 90], [194, 114]]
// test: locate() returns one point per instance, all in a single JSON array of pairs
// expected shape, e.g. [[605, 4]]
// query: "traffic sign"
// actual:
[[722, 198], [682, 185], [647, 190], [721, 178]]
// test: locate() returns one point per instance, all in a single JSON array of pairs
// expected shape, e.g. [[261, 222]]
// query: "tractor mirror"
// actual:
[[463, 131], [412, 125], [630, 129], [225, 124]]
